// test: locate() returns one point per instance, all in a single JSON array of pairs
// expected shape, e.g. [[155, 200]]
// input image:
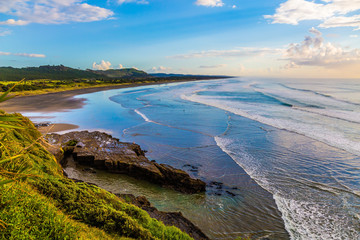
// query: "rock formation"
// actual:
[[168, 218], [102, 151]]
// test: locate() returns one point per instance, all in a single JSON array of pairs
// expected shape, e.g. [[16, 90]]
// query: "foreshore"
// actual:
[[56, 127], [63, 101]]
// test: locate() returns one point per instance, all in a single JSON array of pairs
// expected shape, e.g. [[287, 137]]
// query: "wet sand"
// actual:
[[57, 127]]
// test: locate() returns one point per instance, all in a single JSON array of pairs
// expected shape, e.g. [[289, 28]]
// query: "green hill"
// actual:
[[66, 73], [123, 73]]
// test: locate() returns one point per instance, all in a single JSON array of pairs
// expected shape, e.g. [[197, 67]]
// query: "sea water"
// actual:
[[287, 152]]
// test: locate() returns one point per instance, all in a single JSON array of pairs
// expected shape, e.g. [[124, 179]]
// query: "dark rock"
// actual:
[[217, 185], [231, 193], [168, 218], [191, 168], [42, 124], [179, 179], [102, 151]]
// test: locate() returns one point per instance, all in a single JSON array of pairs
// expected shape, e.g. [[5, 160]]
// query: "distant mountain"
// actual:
[[122, 73], [66, 73]]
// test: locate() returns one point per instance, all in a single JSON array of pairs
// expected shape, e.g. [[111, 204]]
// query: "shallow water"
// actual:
[[298, 140]]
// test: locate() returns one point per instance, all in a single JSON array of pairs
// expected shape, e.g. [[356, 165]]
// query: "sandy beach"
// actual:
[[59, 101], [57, 127]]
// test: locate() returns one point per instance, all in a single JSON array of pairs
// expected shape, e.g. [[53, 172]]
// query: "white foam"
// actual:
[[305, 216], [281, 118], [350, 116], [305, 97], [311, 220], [143, 116]]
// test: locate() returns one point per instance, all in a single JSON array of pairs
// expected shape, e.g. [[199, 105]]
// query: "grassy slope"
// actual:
[[72, 86], [64, 73], [42, 204]]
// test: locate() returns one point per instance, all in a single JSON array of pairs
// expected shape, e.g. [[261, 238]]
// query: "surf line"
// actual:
[[169, 126]]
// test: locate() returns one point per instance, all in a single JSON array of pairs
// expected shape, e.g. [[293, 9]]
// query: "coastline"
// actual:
[[63, 101], [56, 127], [215, 192]]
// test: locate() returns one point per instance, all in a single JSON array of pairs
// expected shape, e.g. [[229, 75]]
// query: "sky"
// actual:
[[268, 38]]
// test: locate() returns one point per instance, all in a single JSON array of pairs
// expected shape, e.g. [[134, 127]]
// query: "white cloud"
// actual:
[[51, 11], [342, 21], [241, 52], [234, 6], [14, 22], [160, 69], [314, 51], [103, 65], [332, 13], [210, 3], [4, 53], [133, 1], [354, 36], [31, 55], [213, 66], [4, 33]]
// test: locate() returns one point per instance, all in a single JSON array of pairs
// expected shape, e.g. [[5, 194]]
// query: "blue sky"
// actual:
[[297, 38]]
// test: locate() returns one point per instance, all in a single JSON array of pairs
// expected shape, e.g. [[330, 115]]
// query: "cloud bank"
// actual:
[[332, 13], [314, 51], [51, 12], [241, 52]]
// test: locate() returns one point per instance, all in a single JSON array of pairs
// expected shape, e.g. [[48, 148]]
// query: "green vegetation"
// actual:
[[38, 202], [65, 73], [46, 79], [71, 143]]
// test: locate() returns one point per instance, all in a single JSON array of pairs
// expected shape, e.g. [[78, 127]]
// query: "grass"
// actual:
[[38, 202], [43, 86]]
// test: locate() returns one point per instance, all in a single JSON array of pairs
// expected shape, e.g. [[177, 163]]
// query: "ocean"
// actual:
[[281, 156]]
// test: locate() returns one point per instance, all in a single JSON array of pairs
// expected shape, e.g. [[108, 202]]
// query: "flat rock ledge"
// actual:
[[102, 151], [168, 218]]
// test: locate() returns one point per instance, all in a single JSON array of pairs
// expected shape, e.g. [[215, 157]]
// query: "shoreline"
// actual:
[[216, 187], [64, 101], [56, 127]]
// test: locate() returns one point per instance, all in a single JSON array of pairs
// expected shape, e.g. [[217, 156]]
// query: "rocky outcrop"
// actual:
[[102, 151], [168, 218]]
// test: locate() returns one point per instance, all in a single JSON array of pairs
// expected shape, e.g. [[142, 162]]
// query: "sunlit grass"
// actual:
[[38, 202], [43, 86]]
